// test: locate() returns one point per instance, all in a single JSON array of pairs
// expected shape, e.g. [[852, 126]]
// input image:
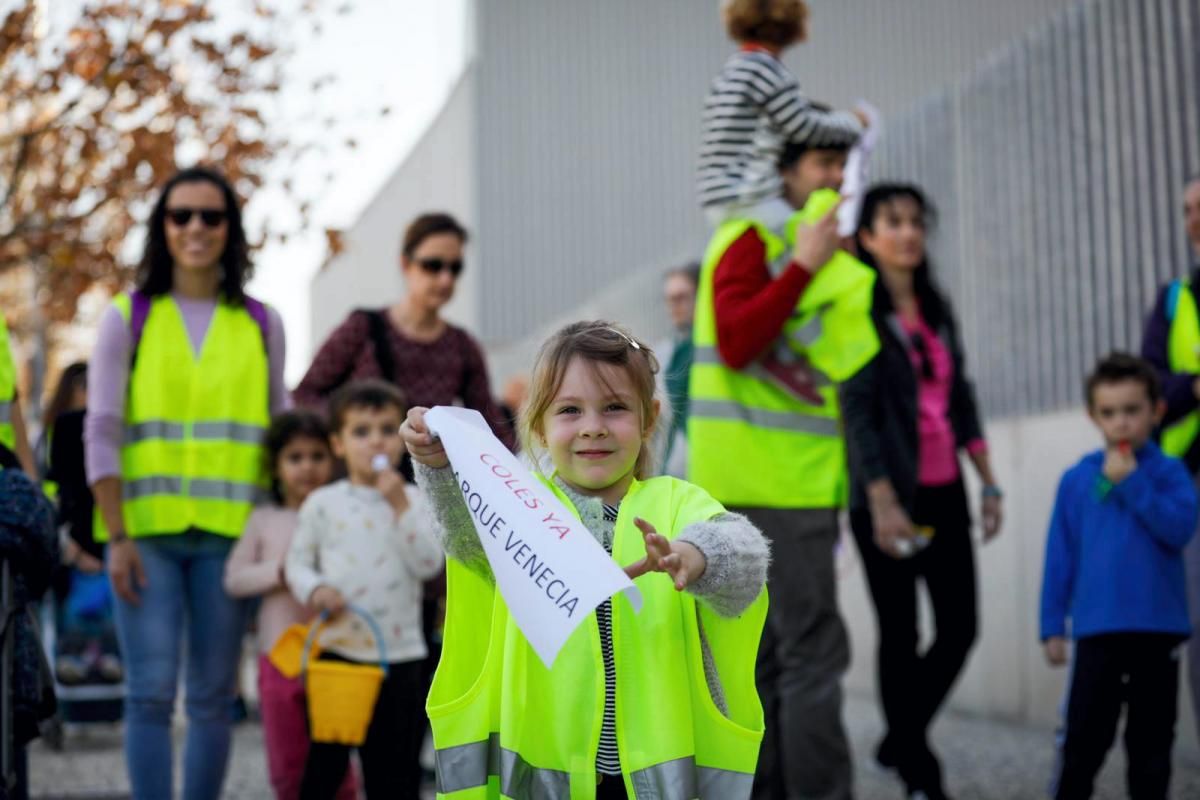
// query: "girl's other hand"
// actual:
[[423, 445], [681, 560]]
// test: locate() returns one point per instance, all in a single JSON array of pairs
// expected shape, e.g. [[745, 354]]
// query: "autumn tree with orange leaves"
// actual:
[[91, 124]]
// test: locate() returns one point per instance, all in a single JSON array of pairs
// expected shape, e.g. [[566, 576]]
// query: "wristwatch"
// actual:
[[992, 490]]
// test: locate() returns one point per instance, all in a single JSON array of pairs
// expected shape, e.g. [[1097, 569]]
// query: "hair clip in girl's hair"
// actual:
[[632, 342]]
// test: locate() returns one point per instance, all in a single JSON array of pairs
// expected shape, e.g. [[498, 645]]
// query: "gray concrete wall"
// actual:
[[438, 175]]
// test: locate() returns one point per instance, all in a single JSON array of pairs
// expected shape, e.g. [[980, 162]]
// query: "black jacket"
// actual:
[[879, 407], [29, 544]]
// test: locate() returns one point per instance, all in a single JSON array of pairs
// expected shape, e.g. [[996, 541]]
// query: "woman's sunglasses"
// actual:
[[435, 265], [211, 217]]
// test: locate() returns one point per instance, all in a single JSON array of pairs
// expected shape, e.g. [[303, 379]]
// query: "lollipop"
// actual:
[[380, 462]]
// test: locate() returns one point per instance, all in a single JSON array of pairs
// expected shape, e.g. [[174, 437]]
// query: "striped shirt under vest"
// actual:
[[608, 762]]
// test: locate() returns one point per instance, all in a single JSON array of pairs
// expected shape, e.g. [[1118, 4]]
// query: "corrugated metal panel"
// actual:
[[1070, 153], [589, 124]]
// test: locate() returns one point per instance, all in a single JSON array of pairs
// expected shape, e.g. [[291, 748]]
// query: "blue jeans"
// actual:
[[183, 594]]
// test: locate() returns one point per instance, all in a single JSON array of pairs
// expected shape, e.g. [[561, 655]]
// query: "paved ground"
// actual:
[[985, 760]]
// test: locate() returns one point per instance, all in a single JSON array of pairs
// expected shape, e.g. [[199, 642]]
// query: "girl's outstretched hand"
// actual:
[[681, 560], [423, 445]]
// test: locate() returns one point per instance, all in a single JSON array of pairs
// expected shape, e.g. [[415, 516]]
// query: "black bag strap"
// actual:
[[377, 330]]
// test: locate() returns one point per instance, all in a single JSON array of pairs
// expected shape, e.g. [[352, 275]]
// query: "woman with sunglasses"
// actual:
[[408, 342], [186, 374], [907, 415]]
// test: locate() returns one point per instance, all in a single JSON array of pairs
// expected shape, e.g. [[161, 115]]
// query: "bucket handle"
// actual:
[[315, 628]]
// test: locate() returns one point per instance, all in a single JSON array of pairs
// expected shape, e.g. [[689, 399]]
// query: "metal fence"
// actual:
[[1057, 167]]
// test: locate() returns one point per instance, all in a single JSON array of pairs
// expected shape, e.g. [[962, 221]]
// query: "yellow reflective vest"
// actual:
[[752, 443], [504, 725], [192, 456], [1183, 355], [8, 390]]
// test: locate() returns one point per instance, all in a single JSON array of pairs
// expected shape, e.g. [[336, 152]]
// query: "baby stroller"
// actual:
[[79, 631]]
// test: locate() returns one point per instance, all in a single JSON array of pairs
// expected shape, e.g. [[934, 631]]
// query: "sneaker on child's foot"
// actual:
[[110, 669], [70, 670]]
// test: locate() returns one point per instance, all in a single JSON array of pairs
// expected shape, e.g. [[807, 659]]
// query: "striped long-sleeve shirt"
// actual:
[[753, 109]]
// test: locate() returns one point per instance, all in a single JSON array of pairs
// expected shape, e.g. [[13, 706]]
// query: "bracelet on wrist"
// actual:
[[117, 537], [992, 490]]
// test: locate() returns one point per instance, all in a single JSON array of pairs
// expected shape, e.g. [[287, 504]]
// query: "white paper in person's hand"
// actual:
[[549, 568], [854, 180]]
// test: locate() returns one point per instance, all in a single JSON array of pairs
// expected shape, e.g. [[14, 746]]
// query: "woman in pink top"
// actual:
[[908, 414], [297, 445]]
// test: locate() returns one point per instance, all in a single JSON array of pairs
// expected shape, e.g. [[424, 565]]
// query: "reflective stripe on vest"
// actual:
[[191, 456], [672, 740], [1183, 356], [5, 412], [762, 418], [786, 436], [469, 766], [201, 431]]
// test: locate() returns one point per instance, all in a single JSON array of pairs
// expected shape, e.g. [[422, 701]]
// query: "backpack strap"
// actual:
[[258, 312], [377, 330], [139, 310]]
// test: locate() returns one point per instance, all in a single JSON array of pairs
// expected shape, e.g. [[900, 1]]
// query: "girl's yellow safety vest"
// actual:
[[506, 726], [193, 456]]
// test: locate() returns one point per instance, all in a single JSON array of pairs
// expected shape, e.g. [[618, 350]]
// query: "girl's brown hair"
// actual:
[[777, 23], [597, 342]]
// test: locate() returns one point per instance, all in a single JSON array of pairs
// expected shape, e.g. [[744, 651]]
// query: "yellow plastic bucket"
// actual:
[[287, 654], [341, 696]]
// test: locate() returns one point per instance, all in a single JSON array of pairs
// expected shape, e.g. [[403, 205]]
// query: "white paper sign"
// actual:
[[854, 181], [549, 568]]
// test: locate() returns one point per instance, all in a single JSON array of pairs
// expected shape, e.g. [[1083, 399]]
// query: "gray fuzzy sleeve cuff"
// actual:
[[452, 521], [737, 554]]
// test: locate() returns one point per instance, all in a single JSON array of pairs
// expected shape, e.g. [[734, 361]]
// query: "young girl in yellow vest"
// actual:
[[657, 704], [300, 461]]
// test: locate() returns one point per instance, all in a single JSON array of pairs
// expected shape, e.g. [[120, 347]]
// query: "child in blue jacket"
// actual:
[[1114, 568]]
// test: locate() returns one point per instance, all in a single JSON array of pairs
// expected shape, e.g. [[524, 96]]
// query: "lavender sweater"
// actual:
[[108, 379]]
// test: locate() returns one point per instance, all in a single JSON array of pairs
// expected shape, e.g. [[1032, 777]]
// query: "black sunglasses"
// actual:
[[435, 265], [211, 217]]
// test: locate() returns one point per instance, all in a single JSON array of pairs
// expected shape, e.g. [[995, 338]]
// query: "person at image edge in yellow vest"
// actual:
[[1172, 344], [12, 421], [781, 316], [659, 704], [186, 374], [907, 415]]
